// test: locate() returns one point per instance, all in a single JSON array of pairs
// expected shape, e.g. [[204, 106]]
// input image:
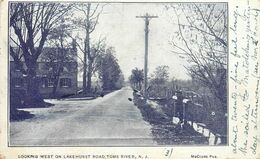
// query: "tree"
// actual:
[[136, 78], [201, 38], [158, 81], [30, 25], [120, 82], [161, 74], [109, 70], [87, 23], [61, 55]]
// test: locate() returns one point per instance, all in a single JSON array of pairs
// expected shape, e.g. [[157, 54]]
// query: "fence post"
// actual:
[[184, 113], [215, 140]]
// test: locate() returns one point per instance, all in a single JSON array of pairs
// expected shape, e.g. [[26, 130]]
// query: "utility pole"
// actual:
[[146, 18]]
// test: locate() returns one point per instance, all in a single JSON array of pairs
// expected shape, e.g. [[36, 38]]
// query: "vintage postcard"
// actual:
[[129, 79]]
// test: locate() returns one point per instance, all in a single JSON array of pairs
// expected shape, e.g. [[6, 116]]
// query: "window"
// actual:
[[47, 82], [18, 82], [50, 82], [65, 82], [44, 82]]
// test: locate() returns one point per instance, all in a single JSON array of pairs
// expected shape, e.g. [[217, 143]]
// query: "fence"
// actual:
[[200, 116], [196, 112]]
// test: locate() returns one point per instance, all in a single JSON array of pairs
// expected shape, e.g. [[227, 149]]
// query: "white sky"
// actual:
[[125, 33]]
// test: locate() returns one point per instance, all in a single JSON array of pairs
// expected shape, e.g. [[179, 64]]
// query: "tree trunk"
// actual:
[[60, 68], [89, 75], [33, 97], [140, 86], [55, 85], [221, 95], [85, 70], [86, 54]]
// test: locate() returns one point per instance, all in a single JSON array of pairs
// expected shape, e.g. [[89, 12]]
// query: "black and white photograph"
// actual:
[[117, 74]]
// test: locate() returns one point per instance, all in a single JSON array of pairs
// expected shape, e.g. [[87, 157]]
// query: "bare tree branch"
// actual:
[[202, 42]]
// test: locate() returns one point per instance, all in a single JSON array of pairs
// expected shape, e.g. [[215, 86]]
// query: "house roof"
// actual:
[[45, 52]]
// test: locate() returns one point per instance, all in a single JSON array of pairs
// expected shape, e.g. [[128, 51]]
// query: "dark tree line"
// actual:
[[136, 79], [109, 70]]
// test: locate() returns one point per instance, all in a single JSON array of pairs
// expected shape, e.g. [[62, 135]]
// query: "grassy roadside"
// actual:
[[163, 129]]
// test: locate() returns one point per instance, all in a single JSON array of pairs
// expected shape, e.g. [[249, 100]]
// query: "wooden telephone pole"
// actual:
[[146, 18]]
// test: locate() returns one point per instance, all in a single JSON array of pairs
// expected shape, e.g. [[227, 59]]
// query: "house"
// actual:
[[46, 74]]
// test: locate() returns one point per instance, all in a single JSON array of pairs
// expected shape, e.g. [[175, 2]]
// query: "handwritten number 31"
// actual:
[[168, 153]]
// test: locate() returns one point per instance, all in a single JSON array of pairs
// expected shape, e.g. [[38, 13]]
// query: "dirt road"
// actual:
[[108, 121]]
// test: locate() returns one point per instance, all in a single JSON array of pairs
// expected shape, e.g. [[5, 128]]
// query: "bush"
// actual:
[[16, 101]]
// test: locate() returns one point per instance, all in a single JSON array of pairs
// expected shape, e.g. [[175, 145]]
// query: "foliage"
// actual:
[[61, 55], [30, 25], [160, 75], [158, 83], [201, 38], [109, 70], [136, 78], [86, 24], [120, 82]]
